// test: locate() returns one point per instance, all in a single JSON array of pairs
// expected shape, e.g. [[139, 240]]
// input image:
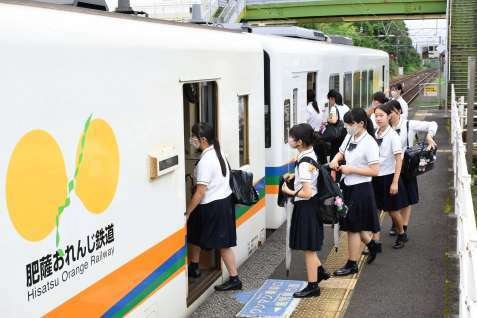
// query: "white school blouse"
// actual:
[[313, 118], [209, 173], [414, 126], [306, 173], [404, 106], [366, 153], [390, 146]]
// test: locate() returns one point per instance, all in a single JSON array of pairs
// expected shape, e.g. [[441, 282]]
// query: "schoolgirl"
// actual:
[[210, 212], [379, 98], [313, 115], [361, 153], [407, 130], [306, 230], [396, 92], [388, 186]]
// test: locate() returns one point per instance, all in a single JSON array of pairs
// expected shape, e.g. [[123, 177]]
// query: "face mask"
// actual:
[[291, 142], [195, 143], [351, 130], [394, 94]]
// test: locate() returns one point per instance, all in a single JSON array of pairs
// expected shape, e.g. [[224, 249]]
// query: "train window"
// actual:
[[243, 131], [348, 89], [286, 119], [266, 90], [311, 82], [356, 89], [335, 82], [370, 86], [295, 106], [364, 89]]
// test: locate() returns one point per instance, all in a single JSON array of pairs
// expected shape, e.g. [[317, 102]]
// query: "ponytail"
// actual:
[[369, 126], [219, 156], [205, 130]]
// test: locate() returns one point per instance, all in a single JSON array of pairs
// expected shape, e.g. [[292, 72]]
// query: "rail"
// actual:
[[464, 210]]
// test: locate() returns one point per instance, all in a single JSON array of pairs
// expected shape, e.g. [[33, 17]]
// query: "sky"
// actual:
[[427, 32]]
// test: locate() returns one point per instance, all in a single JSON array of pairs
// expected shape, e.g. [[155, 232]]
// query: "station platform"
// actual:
[[410, 282]]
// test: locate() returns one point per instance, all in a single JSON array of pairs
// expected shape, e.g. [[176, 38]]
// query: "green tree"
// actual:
[[390, 36]]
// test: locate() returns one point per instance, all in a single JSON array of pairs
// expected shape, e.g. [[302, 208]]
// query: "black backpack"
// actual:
[[328, 190]]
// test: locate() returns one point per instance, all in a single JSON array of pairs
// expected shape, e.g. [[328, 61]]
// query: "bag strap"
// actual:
[[310, 161], [349, 140], [407, 133]]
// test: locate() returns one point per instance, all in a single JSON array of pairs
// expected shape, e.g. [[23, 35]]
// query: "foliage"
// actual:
[[389, 36]]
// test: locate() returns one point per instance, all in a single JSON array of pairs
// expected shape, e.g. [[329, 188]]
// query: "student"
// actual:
[[400, 124], [379, 98], [306, 231], [335, 100], [211, 211], [396, 92], [388, 186], [361, 153], [313, 115]]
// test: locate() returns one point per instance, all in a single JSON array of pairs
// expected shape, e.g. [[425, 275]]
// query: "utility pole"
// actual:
[[470, 110]]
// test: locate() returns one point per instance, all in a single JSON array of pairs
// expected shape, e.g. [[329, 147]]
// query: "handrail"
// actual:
[[464, 210]]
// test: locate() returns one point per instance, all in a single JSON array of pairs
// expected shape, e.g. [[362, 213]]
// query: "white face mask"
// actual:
[[394, 94], [291, 142], [195, 143], [351, 130]]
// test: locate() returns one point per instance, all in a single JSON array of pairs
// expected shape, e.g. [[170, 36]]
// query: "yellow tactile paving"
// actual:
[[336, 292]]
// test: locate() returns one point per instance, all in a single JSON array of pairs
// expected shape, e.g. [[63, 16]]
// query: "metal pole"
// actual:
[[470, 110]]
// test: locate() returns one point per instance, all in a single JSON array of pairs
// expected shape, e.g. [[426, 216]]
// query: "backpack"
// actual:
[[328, 190]]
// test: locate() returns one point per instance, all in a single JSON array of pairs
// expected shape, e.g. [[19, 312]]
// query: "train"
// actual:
[[95, 160]]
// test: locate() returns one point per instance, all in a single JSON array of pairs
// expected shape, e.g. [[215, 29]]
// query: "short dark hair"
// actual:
[[385, 108], [394, 105], [398, 86], [303, 132], [336, 95], [380, 97]]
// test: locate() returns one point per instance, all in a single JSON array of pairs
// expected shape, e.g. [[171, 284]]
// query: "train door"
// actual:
[[200, 104]]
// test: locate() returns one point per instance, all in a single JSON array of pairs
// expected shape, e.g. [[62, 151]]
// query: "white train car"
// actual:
[[293, 66], [93, 106]]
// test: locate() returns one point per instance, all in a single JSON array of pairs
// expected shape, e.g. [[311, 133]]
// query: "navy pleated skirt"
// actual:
[[362, 212], [412, 189], [306, 229], [212, 225], [384, 200]]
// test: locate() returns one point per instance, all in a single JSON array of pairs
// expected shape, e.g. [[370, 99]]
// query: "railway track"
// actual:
[[411, 83]]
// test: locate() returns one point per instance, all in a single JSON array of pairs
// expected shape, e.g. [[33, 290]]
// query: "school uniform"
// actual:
[[342, 110], [306, 229], [408, 140], [389, 144], [313, 118], [212, 224], [358, 191], [404, 106]]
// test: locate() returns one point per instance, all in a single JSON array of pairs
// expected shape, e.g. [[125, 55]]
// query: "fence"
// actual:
[[464, 210]]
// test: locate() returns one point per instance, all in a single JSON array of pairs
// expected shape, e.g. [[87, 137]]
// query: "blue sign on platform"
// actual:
[[274, 299]]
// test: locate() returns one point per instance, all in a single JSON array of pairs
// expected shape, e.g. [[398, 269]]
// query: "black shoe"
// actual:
[[311, 290], [231, 284], [373, 251], [400, 240], [379, 247], [392, 231], [193, 270], [322, 274], [348, 269]]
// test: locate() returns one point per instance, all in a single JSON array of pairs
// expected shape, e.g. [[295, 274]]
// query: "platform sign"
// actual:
[[430, 90], [274, 299]]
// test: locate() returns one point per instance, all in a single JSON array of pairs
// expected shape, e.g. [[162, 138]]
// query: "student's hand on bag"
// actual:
[[394, 188], [334, 165], [289, 176], [333, 175], [430, 141], [345, 169], [286, 189]]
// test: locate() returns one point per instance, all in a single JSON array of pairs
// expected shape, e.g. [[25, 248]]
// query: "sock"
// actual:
[[321, 269], [312, 284], [351, 263], [193, 266], [234, 278], [405, 228]]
